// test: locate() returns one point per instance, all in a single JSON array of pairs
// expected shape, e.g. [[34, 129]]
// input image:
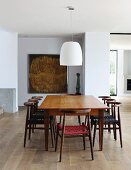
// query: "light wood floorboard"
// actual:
[[13, 156]]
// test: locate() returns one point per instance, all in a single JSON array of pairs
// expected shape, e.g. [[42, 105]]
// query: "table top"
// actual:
[[71, 102]]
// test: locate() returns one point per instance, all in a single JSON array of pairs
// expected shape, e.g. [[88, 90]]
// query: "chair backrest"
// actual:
[[115, 109], [110, 99], [37, 97], [35, 101], [76, 112], [104, 98], [107, 102], [85, 113], [30, 109]]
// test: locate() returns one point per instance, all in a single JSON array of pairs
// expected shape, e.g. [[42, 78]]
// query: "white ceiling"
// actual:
[[50, 17]]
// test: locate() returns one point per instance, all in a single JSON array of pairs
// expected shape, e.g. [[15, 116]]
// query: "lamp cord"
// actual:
[[71, 25], [71, 10]]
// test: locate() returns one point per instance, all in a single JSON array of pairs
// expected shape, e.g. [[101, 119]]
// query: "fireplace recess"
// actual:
[[128, 84]]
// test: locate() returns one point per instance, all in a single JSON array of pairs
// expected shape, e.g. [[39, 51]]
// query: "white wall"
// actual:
[[127, 62], [8, 63], [97, 48], [39, 46]]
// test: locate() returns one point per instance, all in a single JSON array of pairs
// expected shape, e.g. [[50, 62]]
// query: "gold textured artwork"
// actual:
[[46, 75]]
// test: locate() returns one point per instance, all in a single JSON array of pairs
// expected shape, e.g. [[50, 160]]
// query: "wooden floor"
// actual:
[[13, 156]]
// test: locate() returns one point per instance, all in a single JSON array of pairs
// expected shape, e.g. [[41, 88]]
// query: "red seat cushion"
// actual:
[[74, 130]]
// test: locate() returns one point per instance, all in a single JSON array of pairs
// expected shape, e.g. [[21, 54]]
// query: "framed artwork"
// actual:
[[45, 75]]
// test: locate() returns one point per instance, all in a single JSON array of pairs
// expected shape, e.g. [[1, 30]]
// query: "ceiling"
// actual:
[[51, 17]]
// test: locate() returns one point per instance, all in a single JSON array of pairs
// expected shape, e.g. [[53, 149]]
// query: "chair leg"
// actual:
[[33, 127], [114, 130], [79, 120], [91, 146], [29, 132], [54, 127], [56, 139], [94, 134], [60, 119], [84, 145], [92, 123], [109, 129], [25, 135], [119, 125], [51, 128], [62, 138], [120, 134]]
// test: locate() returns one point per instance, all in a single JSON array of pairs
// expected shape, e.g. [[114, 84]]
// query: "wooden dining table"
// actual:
[[54, 104]]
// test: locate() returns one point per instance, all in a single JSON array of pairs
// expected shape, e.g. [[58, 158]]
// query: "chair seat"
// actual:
[[74, 130], [38, 116], [34, 121], [107, 119], [95, 119], [110, 119], [41, 115]]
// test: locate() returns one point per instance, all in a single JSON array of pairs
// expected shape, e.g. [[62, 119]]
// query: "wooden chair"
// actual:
[[113, 119], [82, 130], [106, 112], [40, 113], [34, 120]]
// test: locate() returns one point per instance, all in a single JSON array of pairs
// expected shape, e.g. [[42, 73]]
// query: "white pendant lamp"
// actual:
[[71, 53]]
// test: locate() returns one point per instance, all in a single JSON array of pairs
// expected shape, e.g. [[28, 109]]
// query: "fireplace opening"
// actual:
[[128, 84]]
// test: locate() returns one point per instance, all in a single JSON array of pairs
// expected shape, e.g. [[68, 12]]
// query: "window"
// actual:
[[113, 72]]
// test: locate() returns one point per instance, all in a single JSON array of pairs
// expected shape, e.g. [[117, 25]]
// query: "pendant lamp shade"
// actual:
[[71, 54]]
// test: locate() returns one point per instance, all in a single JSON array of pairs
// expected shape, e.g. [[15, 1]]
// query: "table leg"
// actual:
[[46, 130], [101, 123]]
